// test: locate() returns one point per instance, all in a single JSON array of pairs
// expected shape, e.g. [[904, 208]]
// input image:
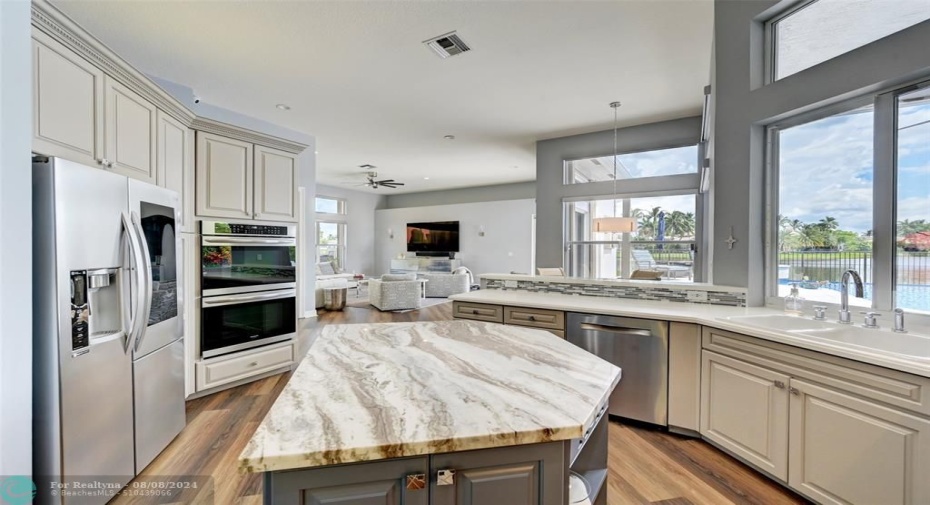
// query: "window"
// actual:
[[662, 162], [666, 225], [833, 212], [330, 242], [331, 230], [912, 201], [824, 29], [327, 205], [825, 186]]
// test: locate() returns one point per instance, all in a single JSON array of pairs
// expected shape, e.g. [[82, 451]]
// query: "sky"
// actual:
[[825, 168]]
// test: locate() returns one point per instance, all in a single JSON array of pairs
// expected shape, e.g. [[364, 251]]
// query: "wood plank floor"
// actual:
[[646, 465]]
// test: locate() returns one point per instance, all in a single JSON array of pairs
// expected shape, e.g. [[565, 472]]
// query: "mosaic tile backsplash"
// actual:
[[672, 294]]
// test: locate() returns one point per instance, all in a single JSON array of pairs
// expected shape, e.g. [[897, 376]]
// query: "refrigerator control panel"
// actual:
[[80, 312]]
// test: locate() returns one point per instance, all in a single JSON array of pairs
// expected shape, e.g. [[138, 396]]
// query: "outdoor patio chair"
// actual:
[[645, 261]]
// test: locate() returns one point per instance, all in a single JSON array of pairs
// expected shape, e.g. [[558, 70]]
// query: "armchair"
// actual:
[[442, 285], [395, 292]]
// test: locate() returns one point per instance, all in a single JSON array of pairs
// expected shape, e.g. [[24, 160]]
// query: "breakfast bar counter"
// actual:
[[473, 411]]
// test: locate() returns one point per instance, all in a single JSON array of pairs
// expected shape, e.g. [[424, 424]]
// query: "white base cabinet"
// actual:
[[834, 430], [745, 410]]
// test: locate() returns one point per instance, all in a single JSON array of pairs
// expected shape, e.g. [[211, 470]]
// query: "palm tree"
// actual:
[[648, 221]]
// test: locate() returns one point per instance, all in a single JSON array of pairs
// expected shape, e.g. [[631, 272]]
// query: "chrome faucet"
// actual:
[[844, 294]]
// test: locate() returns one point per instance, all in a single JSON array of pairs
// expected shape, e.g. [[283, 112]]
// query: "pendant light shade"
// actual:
[[615, 224]]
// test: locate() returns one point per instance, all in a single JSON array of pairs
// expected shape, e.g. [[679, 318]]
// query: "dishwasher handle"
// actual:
[[615, 329]]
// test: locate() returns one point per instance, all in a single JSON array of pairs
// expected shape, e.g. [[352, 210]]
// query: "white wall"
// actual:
[[15, 239], [505, 247], [360, 226]]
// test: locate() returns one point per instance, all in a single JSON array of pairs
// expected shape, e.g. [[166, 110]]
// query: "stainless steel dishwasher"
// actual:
[[640, 348]]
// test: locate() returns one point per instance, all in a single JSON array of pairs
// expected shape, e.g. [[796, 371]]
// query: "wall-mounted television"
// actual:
[[436, 237]]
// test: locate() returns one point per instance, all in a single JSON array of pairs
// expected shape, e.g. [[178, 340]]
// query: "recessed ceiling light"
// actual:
[[426, 178], [449, 137], [283, 106]]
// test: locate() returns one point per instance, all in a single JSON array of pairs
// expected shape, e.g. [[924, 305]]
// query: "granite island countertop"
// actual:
[[374, 391]]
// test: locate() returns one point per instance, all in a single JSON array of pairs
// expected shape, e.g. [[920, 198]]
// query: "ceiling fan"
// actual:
[[375, 184]]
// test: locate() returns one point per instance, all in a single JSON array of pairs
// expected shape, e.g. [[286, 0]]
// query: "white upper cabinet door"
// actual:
[[846, 449], [171, 157], [129, 138], [744, 409], [275, 185], [224, 177], [67, 103]]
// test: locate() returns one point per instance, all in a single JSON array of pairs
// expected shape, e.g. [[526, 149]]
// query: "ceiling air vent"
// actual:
[[447, 45]]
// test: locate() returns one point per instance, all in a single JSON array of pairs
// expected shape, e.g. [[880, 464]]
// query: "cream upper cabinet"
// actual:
[[173, 148], [68, 95], [129, 139], [846, 449], [744, 409], [224, 177], [275, 185]]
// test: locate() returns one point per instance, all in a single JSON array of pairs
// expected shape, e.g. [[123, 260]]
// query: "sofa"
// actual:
[[395, 292], [328, 275], [443, 285]]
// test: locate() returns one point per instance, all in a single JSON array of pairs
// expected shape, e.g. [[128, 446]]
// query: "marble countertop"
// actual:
[[665, 283], [881, 353], [374, 391]]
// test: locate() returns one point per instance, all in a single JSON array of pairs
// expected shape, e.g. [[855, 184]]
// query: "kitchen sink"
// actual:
[[781, 322], [881, 340]]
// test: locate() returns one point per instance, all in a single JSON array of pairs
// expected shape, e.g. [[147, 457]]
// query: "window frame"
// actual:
[[340, 218], [884, 191], [567, 172]]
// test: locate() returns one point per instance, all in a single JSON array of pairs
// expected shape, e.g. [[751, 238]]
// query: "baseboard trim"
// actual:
[[309, 314]]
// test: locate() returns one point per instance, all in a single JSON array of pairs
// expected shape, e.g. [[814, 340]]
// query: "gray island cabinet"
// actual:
[[438, 413]]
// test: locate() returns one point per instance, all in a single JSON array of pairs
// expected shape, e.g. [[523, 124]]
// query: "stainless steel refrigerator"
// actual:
[[109, 353]]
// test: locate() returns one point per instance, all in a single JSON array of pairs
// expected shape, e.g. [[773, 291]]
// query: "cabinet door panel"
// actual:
[[376, 483], [67, 103], [511, 484], [848, 450], [130, 132], [224, 177], [275, 185], [745, 411], [171, 160]]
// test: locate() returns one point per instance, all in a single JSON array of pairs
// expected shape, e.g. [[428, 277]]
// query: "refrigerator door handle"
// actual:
[[146, 294], [134, 316]]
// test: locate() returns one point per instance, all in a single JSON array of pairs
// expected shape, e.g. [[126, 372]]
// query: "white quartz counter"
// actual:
[[883, 353], [374, 391]]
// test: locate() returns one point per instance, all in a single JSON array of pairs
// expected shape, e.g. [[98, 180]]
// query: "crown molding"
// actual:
[[57, 25], [226, 130]]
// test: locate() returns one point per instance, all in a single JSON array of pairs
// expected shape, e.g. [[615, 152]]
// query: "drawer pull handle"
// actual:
[[416, 481], [254, 363], [780, 384], [532, 318], [475, 312], [794, 391]]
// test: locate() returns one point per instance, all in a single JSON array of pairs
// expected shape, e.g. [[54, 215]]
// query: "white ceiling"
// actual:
[[358, 78]]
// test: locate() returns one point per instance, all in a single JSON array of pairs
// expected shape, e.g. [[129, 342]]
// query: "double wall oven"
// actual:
[[248, 286]]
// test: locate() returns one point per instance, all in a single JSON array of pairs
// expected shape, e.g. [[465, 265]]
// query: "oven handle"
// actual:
[[217, 301], [209, 240]]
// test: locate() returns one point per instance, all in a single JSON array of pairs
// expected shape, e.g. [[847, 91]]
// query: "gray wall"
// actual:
[[360, 224], [15, 239], [506, 245], [743, 106], [550, 189], [499, 192]]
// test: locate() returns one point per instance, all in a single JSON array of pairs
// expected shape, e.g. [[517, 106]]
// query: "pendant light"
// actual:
[[615, 224]]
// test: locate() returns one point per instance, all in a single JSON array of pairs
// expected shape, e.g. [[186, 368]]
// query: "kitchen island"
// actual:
[[453, 412]]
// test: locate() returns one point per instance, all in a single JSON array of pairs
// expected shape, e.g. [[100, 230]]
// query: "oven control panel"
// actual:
[[224, 228]]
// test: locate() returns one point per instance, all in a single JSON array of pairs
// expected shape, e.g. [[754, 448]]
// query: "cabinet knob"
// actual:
[[794, 391], [475, 312], [257, 215], [254, 363], [416, 481], [532, 318], [445, 477], [780, 384]]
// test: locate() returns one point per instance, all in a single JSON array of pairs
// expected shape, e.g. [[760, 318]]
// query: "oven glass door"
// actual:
[[241, 265], [234, 323]]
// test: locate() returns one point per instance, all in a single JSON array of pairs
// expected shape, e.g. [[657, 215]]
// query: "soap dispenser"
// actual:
[[794, 303]]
